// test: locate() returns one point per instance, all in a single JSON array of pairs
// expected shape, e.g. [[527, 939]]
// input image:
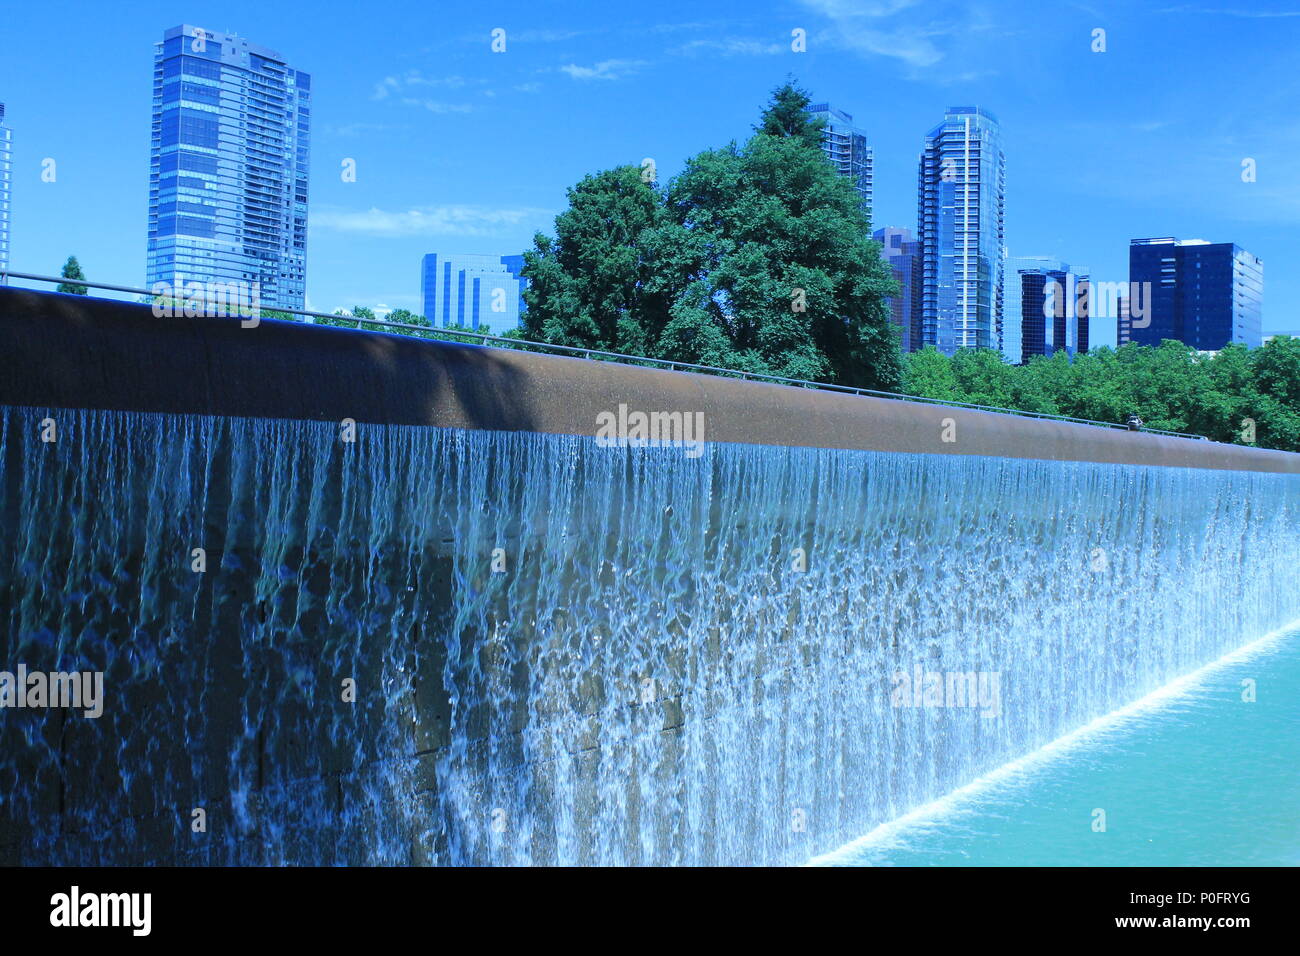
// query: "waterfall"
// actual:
[[566, 653]]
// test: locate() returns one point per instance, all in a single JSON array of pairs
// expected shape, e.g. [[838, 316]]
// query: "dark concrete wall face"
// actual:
[[80, 352]]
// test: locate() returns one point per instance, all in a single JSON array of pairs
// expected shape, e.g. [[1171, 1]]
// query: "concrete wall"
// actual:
[[81, 352]]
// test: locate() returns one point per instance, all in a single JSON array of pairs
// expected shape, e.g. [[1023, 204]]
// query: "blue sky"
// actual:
[[459, 149]]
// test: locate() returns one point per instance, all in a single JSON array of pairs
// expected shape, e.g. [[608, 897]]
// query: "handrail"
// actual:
[[634, 359]]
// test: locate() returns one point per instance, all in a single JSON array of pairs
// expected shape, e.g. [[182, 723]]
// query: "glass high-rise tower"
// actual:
[[846, 146], [961, 200], [901, 251], [229, 166], [6, 183]]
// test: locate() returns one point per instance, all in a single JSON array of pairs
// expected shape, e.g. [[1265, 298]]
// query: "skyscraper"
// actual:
[[903, 255], [1206, 294], [961, 196], [846, 146], [6, 179], [468, 290], [1053, 309], [229, 166]]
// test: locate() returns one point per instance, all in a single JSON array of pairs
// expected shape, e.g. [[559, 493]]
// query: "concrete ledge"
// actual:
[[63, 351]]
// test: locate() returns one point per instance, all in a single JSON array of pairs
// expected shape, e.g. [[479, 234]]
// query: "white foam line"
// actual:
[[957, 799]]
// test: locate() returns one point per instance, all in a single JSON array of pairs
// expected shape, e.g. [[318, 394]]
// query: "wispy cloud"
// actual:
[[414, 79], [604, 70], [408, 88], [546, 36], [732, 46], [1248, 14], [437, 106], [447, 220], [349, 130], [860, 27]]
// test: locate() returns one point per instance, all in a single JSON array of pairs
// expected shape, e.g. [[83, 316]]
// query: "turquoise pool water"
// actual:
[[1193, 775]]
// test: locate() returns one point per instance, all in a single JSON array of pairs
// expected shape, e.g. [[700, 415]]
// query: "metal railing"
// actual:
[[431, 331]]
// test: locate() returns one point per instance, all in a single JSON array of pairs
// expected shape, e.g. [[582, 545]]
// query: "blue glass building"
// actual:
[[6, 184], [1206, 294], [903, 254], [961, 198], [1053, 312], [229, 166], [846, 147], [469, 290]]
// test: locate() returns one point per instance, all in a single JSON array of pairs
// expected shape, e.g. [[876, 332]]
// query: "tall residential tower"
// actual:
[[846, 147], [961, 196], [229, 166], [6, 182]]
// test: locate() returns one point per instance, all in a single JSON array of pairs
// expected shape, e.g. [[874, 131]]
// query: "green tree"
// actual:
[[1233, 395], [928, 373], [787, 115], [72, 270], [757, 257], [1276, 369], [598, 283], [984, 377]]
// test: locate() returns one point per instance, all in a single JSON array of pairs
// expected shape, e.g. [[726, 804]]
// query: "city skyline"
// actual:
[[459, 159]]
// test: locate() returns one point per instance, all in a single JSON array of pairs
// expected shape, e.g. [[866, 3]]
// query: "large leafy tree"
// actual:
[[600, 282], [756, 257]]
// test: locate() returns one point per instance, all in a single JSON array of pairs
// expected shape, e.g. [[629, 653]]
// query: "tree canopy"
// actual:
[[757, 257], [1246, 396]]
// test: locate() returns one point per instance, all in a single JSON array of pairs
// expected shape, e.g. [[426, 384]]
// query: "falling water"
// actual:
[[565, 653]]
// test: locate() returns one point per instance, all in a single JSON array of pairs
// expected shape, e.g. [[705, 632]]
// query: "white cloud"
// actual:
[[414, 78], [349, 130], [1248, 14], [856, 26], [604, 70], [546, 36], [733, 46], [436, 106], [447, 220]]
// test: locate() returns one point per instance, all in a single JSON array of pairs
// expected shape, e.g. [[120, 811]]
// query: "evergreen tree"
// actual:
[[787, 115], [72, 270]]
